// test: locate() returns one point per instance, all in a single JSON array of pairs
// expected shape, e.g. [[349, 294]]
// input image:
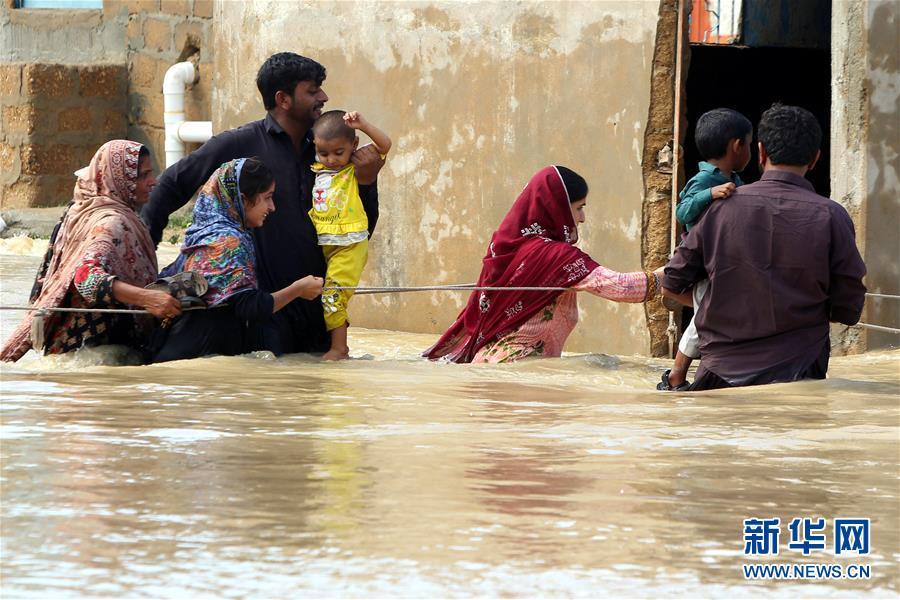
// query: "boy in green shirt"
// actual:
[[723, 138]]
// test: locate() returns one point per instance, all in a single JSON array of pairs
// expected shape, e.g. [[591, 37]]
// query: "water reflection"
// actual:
[[525, 476], [389, 476]]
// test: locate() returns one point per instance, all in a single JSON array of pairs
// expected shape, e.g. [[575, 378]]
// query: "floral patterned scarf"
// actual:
[[532, 248], [218, 244], [101, 216]]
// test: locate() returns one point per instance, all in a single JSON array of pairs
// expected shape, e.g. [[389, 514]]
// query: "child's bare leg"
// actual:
[[679, 371], [339, 349]]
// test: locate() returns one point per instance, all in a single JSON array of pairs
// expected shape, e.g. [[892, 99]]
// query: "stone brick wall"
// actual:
[[54, 119], [160, 33], [73, 79]]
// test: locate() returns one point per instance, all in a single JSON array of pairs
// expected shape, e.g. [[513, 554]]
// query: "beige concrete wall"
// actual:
[[866, 145], [476, 96], [883, 157]]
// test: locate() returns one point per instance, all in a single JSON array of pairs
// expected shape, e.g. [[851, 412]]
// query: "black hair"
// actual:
[[330, 125], [791, 135], [255, 177], [282, 72], [717, 128], [576, 186], [144, 152]]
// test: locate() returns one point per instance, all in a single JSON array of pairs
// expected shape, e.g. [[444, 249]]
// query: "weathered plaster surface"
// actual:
[[866, 144], [476, 96], [656, 229], [883, 157]]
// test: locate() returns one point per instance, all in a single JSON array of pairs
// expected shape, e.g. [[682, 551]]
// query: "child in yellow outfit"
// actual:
[[339, 216]]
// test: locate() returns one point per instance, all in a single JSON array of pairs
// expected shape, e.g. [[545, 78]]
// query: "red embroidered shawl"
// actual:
[[532, 248]]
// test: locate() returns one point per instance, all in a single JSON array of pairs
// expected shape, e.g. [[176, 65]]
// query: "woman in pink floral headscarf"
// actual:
[[533, 247], [100, 256]]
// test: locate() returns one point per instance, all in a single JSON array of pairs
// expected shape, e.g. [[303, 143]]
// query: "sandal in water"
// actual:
[[665, 386]]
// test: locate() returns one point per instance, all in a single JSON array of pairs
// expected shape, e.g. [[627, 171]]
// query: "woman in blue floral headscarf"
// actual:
[[219, 246]]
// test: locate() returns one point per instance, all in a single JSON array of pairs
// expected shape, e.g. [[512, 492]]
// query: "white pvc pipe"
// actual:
[[179, 131], [195, 131]]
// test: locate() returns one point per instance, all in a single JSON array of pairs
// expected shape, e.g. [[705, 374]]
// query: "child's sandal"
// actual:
[[665, 386]]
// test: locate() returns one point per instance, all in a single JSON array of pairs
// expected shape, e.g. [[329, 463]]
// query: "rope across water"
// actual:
[[460, 287], [118, 311], [465, 287]]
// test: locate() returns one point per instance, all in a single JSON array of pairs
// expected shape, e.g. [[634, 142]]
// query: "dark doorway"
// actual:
[[749, 80]]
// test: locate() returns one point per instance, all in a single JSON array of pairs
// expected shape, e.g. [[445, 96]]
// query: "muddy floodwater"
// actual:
[[388, 476]]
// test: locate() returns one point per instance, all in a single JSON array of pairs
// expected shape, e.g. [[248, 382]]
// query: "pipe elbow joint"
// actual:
[[178, 76]]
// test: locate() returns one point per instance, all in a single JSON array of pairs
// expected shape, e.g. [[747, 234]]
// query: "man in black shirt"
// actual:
[[287, 245]]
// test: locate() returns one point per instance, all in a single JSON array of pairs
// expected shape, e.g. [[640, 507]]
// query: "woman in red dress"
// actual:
[[534, 247]]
